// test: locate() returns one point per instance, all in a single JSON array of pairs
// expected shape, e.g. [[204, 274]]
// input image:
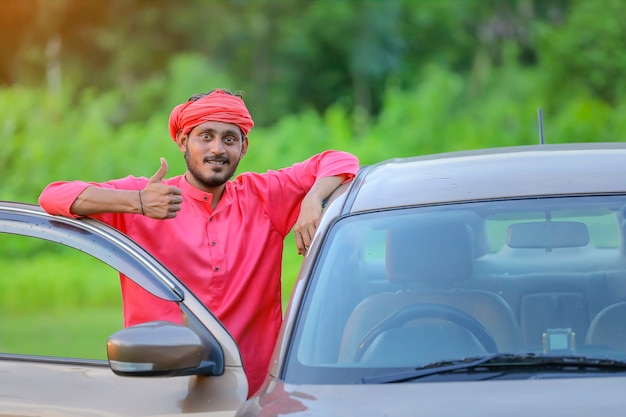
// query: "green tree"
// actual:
[[586, 53]]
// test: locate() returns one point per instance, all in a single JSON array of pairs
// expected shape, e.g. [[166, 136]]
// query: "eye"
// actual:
[[230, 139]]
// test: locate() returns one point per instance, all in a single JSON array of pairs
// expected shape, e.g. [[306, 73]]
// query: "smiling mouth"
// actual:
[[216, 162]]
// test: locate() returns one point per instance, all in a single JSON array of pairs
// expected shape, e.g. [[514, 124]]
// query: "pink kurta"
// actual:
[[230, 257]]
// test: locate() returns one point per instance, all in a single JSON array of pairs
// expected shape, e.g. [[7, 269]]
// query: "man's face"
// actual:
[[212, 152]]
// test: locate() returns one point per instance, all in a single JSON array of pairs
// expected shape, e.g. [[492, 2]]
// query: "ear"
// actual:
[[181, 140], [244, 147]]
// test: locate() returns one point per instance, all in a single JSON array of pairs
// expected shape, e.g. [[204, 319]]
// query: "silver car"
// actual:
[[482, 283]]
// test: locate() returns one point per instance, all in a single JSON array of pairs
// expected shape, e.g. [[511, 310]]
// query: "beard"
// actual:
[[212, 179]]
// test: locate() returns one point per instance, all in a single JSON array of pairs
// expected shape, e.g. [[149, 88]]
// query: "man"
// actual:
[[223, 237]]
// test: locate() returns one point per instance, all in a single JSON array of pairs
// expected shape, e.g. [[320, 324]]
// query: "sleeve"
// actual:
[[287, 187], [325, 164], [57, 197]]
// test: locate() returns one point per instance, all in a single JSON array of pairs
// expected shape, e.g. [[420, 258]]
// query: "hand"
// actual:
[[311, 210], [160, 201], [307, 223]]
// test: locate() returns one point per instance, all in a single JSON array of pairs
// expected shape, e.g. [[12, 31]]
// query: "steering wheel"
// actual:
[[433, 311]]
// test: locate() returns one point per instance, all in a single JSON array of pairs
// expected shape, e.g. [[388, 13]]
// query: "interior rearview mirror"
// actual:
[[547, 235]]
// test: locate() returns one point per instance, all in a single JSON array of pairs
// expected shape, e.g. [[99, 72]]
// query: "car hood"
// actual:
[[572, 397]]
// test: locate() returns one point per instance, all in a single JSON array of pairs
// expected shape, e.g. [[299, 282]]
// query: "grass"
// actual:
[[74, 333]]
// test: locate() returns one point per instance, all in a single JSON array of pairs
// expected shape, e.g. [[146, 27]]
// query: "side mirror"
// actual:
[[157, 348]]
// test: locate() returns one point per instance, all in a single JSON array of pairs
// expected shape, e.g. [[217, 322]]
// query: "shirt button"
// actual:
[[213, 243], [216, 269], [206, 198]]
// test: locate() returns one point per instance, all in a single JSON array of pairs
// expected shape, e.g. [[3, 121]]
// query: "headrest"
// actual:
[[436, 255]]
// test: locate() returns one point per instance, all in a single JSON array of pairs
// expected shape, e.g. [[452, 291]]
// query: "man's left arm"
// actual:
[[311, 209]]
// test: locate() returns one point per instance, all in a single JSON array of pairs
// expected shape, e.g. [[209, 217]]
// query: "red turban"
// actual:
[[218, 106]]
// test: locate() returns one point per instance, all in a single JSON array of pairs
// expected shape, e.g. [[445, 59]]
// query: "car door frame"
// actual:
[[88, 387]]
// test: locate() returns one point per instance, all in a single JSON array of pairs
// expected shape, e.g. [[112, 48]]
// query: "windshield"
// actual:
[[409, 288]]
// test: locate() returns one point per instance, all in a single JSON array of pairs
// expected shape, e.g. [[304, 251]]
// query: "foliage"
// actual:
[[379, 79], [586, 52], [54, 140], [291, 55]]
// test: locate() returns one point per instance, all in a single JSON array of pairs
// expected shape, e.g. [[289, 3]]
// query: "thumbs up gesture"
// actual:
[[160, 201]]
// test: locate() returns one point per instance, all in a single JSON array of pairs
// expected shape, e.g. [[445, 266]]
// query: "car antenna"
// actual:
[[541, 141]]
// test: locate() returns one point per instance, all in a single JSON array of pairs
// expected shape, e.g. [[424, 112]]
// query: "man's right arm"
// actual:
[[156, 200]]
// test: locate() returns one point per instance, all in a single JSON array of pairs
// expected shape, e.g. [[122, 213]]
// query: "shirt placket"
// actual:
[[217, 260]]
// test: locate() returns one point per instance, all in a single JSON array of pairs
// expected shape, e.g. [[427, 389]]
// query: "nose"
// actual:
[[216, 146]]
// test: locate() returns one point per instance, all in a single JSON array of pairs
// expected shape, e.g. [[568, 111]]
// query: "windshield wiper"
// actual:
[[503, 362]]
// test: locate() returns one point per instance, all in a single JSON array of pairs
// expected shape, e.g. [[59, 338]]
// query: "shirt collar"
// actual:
[[189, 190]]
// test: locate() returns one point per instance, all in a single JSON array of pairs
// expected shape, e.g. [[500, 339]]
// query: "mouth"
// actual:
[[216, 162]]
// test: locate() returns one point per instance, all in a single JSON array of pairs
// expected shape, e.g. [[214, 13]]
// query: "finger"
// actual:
[[160, 174], [175, 191], [176, 198], [299, 243], [307, 234]]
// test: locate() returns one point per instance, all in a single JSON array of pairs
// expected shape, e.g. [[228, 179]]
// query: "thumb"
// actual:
[[158, 176]]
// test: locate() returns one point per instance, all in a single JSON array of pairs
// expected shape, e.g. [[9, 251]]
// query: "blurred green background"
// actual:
[[86, 86]]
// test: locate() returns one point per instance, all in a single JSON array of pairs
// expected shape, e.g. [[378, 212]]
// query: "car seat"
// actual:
[[428, 263], [608, 328]]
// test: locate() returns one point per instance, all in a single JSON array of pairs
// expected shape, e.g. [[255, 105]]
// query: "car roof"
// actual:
[[487, 174]]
